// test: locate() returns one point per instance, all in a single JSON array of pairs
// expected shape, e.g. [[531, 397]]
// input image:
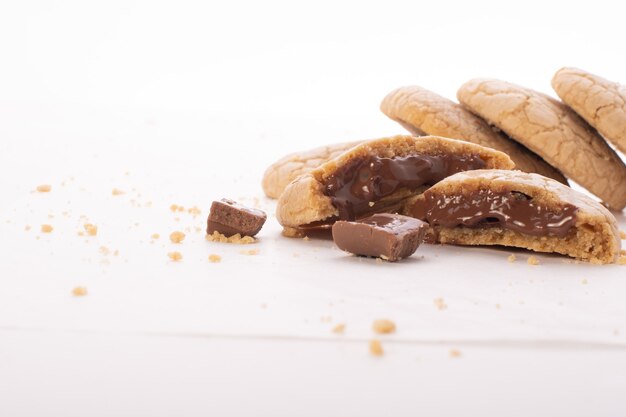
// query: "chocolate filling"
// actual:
[[366, 180], [510, 210]]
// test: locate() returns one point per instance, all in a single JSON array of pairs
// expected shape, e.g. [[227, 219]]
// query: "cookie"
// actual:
[[423, 112], [513, 208], [600, 102], [291, 166], [376, 176], [553, 131]]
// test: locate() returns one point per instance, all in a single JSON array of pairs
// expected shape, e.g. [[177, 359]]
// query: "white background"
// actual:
[[186, 102]]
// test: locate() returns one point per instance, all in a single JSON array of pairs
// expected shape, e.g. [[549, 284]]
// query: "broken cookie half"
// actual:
[[512, 208], [378, 176]]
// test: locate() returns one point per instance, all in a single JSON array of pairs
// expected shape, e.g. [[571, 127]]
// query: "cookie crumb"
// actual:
[[46, 228], [622, 235], [383, 326], [371, 204], [117, 191], [291, 232], [440, 304], [532, 260], [237, 238], [194, 211], [214, 258], [174, 207], [44, 188], [177, 237], [379, 261], [455, 353], [249, 252], [498, 306], [79, 291], [104, 250], [376, 348], [306, 238], [155, 236], [175, 256], [511, 258], [91, 229], [621, 260], [339, 329], [584, 281]]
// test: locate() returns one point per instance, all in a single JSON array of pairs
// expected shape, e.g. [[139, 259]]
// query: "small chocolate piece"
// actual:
[[229, 218], [384, 235]]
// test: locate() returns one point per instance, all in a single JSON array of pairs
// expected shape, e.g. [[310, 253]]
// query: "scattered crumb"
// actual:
[[376, 348], [155, 236], [194, 211], [175, 256], [91, 229], [584, 281], [218, 237], [532, 260], [46, 228], [104, 250], [371, 204], [117, 191], [79, 291], [177, 237], [214, 258], [440, 304], [174, 207], [27, 227], [511, 258], [383, 326], [379, 261], [291, 232], [498, 306], [249, 252], [339, 329], [306, 238], [116, 253], [454, 353], [622, 234], [44, 188], [383, 257], [621, 260]]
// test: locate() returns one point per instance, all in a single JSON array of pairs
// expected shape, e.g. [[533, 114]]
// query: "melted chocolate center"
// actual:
[[363, 181], [510, 210]]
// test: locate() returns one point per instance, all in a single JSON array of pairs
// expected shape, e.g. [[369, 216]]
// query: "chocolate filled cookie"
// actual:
[[376, 176], [512, 208]]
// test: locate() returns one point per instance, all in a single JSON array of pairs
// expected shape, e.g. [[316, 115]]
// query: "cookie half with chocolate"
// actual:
[[376, 176], [512, 208], [553, 131], [423, 112], [602, 103], [278, 175]]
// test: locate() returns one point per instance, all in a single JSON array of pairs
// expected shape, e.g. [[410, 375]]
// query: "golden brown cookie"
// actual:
[[553, 131], [376, 176], [278, 175], [600, 102], [513, 208], [423, 112]]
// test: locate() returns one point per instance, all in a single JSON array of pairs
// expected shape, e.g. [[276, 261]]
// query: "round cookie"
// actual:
[[600, 102], [553, 131], [423, 112]]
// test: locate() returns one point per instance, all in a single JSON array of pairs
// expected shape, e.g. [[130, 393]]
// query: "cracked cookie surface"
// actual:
[[423, 112], [602, 103], [553, 131]]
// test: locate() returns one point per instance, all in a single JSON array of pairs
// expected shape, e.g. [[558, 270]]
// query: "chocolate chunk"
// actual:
[[388, 236], [363, 181], [510, 210], [229, 218]]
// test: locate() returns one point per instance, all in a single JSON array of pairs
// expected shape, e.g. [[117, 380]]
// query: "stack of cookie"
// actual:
[[469, 154]]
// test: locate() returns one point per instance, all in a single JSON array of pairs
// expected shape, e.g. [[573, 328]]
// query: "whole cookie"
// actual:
[[553, 131], [600, 102], [278, 175], [423, 112]]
